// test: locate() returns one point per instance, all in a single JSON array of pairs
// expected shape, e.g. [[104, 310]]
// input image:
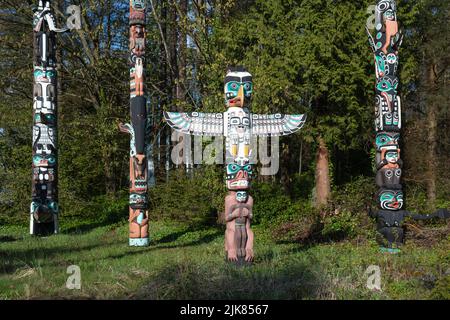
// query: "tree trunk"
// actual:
[[432, 136], [323, 188], [182, 58]]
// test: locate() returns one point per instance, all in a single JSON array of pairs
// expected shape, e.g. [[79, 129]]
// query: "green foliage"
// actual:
[[344, 225], [442, 289], [175, 199], [302, 184], [356, 195]]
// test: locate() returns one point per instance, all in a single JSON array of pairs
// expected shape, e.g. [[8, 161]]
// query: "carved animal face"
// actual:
[[44, 160], [44, 75], [391, 199], [238, 88], [384, 139], [238, 176], [138, 201]]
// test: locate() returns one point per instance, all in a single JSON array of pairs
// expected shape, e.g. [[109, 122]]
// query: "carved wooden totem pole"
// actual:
[[388, 122], [237, 125], [138, 129], [44, 204]]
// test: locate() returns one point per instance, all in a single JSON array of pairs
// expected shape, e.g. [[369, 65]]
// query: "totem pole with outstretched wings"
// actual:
[[237, 125]]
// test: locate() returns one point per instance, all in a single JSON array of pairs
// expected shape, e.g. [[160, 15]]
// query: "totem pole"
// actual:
[[388, 123], [138, 129], [44, 204], [237, 125]]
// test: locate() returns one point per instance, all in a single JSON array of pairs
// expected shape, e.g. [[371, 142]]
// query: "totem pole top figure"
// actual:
[[385, 46], [238, 88], [137, 12], [43, 12]]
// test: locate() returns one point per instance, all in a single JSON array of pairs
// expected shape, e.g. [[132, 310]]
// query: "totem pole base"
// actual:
[[239, 263], [139, 242], [390, 250], [42, 229]]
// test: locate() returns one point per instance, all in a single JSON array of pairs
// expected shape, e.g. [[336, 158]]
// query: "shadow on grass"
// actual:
[[155, 245], [103, 221], [13, 258], [197, 280], [8, 239]]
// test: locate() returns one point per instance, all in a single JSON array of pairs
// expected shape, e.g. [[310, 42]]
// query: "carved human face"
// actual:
[[238, 89], [138, 4], [238, 176], [392, 156], [238, 121], [391, 199], [241, 196]]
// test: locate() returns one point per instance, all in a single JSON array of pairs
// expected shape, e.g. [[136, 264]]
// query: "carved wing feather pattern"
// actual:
[[196, 123], [276, 124]]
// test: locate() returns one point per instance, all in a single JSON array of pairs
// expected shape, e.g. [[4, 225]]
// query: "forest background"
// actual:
[[306, 56]]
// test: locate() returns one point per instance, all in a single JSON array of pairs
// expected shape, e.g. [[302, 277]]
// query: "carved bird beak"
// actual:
[[240, 95]]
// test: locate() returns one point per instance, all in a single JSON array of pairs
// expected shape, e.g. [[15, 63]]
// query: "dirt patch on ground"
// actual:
[[426, 236]]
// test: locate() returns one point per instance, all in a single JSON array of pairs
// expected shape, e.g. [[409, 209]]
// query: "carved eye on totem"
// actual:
[[248, 87], [233, 168], [53, 206], [246, 121], [384, 85], [382, 139], [398, 173], [382, 6], [234, 86], [396, 119], [391, 58], [51, 159], [235, 121], [387, 196]]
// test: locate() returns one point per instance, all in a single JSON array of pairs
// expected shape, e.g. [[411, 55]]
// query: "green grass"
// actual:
[[187, 263]]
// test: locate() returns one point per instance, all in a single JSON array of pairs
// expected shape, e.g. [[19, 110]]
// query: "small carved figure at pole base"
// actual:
[[238, 235]]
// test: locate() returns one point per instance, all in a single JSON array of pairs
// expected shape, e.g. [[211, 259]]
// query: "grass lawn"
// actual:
[[186, 263]]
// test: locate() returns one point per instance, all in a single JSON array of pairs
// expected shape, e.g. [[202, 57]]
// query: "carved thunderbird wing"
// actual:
[[276, 124], [196, 123]]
